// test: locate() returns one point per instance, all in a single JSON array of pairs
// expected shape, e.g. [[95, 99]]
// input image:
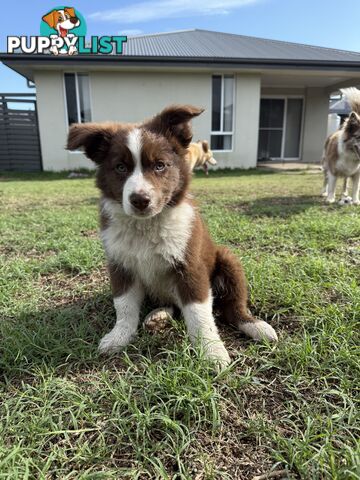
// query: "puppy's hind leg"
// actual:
[[345, 192], [230, 290], [345, 199], [331, 188], [324, 192], [355, 189]]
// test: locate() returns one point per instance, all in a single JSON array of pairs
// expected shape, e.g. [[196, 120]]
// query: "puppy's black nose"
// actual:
[[140, 200], [74, 20]]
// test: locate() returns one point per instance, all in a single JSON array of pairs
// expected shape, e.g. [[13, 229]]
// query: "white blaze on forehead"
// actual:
[[134, 143], [136, 183], [62, 13]]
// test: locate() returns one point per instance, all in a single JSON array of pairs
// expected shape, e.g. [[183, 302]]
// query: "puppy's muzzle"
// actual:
[[140, 201]]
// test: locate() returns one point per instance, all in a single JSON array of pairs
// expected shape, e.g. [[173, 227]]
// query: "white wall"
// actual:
[[131, 97], [51, 114], [117, 96], [315, 124], [246, 124], [53, 124]]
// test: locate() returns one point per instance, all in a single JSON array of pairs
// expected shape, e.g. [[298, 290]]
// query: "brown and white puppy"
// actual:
[[155, 241], [199, 155], [342, 154]]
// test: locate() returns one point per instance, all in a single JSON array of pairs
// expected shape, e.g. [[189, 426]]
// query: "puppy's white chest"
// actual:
[[138, 251], [348, 164], [148, 248]]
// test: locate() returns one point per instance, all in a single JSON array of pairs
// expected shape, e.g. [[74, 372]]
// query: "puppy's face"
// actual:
[[142, 172], [352, 134], [141, 167]]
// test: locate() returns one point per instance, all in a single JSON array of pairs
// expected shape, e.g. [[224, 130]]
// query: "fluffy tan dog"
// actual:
[[199, 155], [342, 154]]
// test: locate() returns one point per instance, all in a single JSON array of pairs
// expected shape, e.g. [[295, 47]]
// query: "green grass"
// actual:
[[158, 411]]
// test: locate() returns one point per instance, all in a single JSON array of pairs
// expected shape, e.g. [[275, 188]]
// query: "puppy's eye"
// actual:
[[159, 166], [121, 168]]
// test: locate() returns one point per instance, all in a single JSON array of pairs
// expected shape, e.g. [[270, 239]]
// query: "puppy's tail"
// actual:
[[352, 95]]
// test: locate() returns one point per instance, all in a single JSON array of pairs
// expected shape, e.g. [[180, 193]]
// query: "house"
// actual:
[[264, 99]]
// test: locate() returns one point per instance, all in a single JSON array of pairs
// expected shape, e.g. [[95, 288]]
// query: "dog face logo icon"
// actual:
[[62, 20], [63, 25], [63, 32]]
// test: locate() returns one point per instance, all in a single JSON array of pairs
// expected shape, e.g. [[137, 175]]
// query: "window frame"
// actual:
[[286, 98], [77, 97], [221, 132]]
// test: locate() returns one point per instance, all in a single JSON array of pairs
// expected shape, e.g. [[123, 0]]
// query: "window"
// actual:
[[280, 128], [222, 113], [77, 91]]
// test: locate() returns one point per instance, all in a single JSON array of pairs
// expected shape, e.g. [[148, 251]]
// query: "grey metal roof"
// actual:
[[209, 44]]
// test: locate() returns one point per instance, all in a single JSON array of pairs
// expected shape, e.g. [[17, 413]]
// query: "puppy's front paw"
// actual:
[[345, 200], [114, 341], [217, 352], [259, 330], [330, 200]]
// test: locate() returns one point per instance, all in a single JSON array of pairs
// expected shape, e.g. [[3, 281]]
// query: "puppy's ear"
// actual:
[[205, 146], [174, 123], [70, 11], [353, 122], [51, 18], [93, 138]]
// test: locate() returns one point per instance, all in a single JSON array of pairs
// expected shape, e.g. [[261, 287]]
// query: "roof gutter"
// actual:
[[178, 61], [24, 64]]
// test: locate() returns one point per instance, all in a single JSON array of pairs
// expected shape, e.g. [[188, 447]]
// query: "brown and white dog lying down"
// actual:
[[199, 155], [155, 240], [342, 154]]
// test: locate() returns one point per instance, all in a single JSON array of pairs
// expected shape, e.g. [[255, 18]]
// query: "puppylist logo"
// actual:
[[62, 32]]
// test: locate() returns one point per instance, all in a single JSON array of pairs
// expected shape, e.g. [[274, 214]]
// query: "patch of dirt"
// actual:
[[64, 284], [11, 251], [90, 233]]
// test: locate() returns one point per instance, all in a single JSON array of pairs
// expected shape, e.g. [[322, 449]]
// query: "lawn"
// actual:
[[158, 410]]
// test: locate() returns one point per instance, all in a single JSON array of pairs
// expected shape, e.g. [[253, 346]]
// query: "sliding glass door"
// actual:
[[280, 128], [271, 127]]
